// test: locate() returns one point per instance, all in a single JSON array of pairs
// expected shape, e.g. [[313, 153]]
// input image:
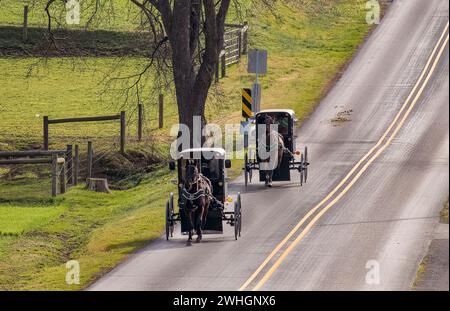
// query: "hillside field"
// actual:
[[309, 42]]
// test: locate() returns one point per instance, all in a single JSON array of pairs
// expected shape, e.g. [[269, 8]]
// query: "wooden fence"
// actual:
[[140, 116], [64, 164], [235, 45], [120, 117]]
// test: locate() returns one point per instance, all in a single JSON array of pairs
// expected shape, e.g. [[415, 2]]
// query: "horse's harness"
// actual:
[[202, 192]]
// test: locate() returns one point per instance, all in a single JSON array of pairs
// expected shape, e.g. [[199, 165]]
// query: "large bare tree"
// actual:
[[194, 29], [187, 37]]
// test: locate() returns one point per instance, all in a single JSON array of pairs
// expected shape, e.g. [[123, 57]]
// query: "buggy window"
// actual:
[[281, 119], [283, 125], [211, 168]]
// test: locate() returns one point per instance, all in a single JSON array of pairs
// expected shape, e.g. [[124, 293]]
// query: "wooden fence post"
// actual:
[[245, 40], [69, 161], [45, 132], [76, 165], [140, 120], [54, 175], [223, 61], [240, 45], [161, 111], [216, 78], [122, 132], [89, 158], [63, 178], [25, 23]]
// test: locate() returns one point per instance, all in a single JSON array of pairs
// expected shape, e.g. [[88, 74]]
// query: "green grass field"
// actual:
[[96, 229], [64, 88], [114, 14], [309, 42], [16, 219]]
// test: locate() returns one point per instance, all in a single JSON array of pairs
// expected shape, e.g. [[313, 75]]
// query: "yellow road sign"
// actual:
[[247, 103]]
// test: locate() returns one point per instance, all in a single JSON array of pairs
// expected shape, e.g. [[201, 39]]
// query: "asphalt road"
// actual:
[[389, 162]]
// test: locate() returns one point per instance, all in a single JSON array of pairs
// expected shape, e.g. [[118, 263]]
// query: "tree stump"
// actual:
[[98, 185]]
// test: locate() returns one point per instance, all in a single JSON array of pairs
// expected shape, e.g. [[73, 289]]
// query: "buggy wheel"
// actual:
[[236, 221], [167, 221], [246, 169], [240, 214], [237, 217], [250, 172], [302, 169], [172, 212], [306, 164]]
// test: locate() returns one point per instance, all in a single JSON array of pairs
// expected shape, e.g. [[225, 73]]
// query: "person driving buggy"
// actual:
[[211, 168], [272, 148]]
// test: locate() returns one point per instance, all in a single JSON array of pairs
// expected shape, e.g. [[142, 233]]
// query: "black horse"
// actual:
[[197, 194]]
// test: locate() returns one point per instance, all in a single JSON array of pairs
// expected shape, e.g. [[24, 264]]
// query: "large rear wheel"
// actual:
[[168, 220], [237, 217], [306, 164], [302, 169], [169, 217], [240, 213], [250, 172], [246, 170], [172, 214]]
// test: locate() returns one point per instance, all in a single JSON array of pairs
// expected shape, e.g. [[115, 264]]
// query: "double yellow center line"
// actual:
[[353, 176]]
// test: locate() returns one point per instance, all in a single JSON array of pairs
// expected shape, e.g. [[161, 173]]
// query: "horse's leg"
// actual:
[[198, 224], [205, 214], [189, 241], [270, 177], [267, 178]]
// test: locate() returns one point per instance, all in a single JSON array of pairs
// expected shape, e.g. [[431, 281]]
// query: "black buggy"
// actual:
[[224, 208], [286, 120]]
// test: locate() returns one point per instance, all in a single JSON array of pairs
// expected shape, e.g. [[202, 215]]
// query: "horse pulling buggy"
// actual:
[[279, 145], [204, 203]]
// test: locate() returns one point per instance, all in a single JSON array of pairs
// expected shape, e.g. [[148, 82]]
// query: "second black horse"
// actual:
[[197, 195]]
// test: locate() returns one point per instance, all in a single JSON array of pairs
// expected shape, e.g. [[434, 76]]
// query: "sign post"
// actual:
[[247, 103], [257, 64], [246, 112], [251, 98]]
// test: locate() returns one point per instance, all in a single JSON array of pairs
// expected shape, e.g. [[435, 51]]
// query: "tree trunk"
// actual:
[[183, 23], [98, 185]]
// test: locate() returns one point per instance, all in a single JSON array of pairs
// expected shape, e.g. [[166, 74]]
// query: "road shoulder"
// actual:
[[433, 273]]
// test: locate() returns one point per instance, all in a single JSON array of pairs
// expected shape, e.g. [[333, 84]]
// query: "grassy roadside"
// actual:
[[420, 273], [95, 229], [307, 48], [424, 265], [444, 213]]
